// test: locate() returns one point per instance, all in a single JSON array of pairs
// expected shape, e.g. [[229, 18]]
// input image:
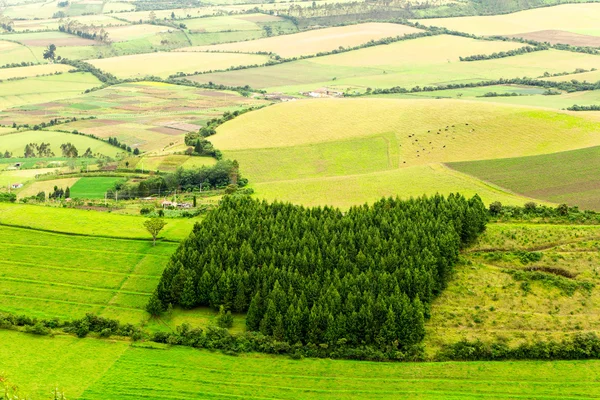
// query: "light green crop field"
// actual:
[[315, 41], [93, 223], [117, 7], [165, 64], [49, 275], [230, 22], [428, 61], [15, 53], [115, 369], [93, 187], [45, 88], [567, 177], [132, 32], [46, 186], [577, 18], [483, 301], [26, 72], [16, 142]]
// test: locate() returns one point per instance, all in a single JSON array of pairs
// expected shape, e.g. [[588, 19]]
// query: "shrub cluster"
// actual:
[[503, 54], [319, 275]]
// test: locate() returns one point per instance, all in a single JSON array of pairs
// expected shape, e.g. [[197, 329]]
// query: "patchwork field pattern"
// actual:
[[148, 115], [405, 64]]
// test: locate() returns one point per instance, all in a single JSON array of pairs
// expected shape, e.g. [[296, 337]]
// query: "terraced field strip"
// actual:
[[53, 275]]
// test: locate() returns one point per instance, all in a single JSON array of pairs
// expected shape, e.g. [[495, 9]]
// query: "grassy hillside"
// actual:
[[567, 177], [118, 370], [359, 156], [501, 293]]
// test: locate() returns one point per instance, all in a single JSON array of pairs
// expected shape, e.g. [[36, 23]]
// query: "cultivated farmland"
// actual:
[[310, 43], [165, 64]]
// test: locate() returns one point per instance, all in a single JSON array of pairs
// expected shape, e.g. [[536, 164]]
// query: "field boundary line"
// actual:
[[82, 287], [14, 296], [86, 234], [76, 269]]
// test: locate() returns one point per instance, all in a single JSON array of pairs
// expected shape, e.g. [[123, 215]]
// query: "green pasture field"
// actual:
[[32, 10], [147, 115], [48, 275], [427, 61], [26, 72], [46, 186], [41, 39], [45, 88], [219, 24], [315, 41], [165, 64], [93, 187], [87, 222], [16, 142], [485, 302], [576, 18], [15, 53], [22, 176], [116, 369], [567, 177]]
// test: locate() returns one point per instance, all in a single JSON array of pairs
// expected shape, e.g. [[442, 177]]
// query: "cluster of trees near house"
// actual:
[[218, 176], [321, 276]]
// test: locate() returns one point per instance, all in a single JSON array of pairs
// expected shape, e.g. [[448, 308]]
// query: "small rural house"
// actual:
[[16, 186]]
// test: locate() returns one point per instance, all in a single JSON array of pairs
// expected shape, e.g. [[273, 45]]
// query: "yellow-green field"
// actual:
[[132, 32], [428, 61], [26, 72], [15, 53], [315, 41], [577, 18], [165, 64], [379, 147], [46, 88]]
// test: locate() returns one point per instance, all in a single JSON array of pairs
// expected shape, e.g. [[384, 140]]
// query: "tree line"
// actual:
[[504, 54], [319, 276]]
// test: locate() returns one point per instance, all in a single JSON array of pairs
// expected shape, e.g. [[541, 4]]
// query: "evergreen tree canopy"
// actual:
[[319, 275]]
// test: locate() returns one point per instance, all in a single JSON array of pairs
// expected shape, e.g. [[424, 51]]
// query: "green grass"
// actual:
[[93, 188], [48, 275], [104, 369], [45, 88], [92, 223], [567, 177]]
